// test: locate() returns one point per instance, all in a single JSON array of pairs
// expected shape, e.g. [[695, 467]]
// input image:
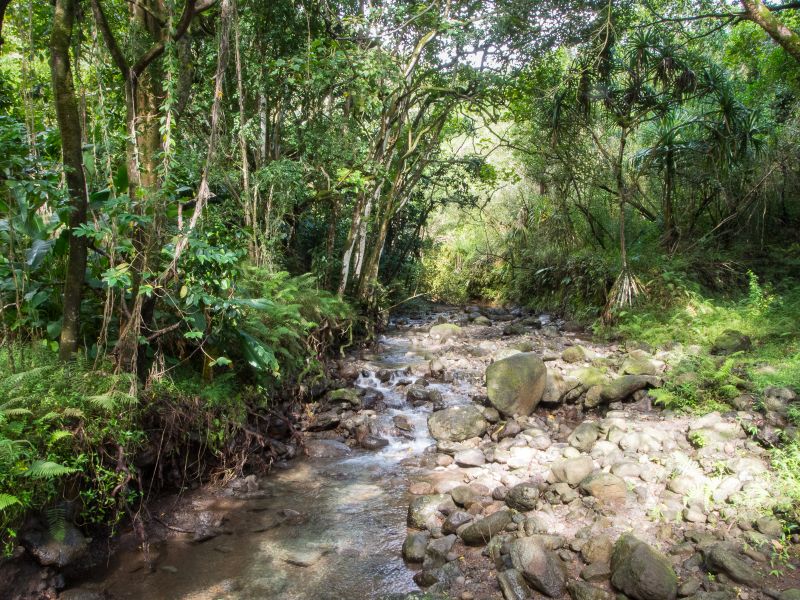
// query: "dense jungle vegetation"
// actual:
[[203, 200]]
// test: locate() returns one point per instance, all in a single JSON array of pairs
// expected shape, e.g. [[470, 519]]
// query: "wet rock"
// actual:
[[726, 559], [584, 436], [480, 532], [82, 594], [326, 449], [420, 488], [470, 458], [373, 442], [731, 341], [641, 572], [414, 546], [345, 395], [425, 509], [572, 470], [515, 385], [578, 590], [540, 567], [445, 332], [522, 497], [402, 423], [49, 551], [373, 400], [324, 421], [418, 395], [457, 423], [513, 585]]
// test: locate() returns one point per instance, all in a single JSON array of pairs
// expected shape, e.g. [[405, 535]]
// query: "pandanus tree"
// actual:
[[615, 90]]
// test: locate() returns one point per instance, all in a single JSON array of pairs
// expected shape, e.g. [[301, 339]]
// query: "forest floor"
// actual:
[[482, 506]]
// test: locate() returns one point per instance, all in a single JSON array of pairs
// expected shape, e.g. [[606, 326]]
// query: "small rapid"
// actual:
[[323, 528]]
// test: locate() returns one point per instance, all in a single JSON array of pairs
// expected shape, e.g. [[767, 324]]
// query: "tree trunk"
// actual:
[[69, 125], [757, 12], [622, 192]]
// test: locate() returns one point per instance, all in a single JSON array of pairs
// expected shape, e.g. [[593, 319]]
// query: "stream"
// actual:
[[322, 528]]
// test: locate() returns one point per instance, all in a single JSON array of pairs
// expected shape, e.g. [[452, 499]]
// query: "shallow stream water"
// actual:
[[321, 529]]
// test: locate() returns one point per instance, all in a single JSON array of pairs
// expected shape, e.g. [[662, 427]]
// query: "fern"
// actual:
[[57, 522], [111, 399], [19, 378], [7, 500], [59, 435], [75, 413], [45, 469]]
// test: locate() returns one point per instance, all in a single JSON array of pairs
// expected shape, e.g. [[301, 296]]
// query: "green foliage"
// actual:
[[54, 430]]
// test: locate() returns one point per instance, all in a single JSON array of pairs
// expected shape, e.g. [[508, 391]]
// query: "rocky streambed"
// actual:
[[486, 454]]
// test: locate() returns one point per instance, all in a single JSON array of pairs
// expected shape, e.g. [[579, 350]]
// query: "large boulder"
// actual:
[[326, 449], [641, 572], [639, 362], [457, 423], [515, 384], [558, 388], [540, 567]]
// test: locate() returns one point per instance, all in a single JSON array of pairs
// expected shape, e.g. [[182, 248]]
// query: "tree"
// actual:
[[69, 125]]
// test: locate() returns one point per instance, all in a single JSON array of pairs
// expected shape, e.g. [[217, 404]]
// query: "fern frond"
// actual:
[[7, 500], [57, 522], [59, 435], [103, 401], [17, 378], [75, 413], [45, 469]]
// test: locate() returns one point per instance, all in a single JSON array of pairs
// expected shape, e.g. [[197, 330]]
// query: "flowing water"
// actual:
[[322, 528]]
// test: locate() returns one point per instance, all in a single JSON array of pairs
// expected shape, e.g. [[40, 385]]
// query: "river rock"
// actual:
[[730, 341], [621, 388], [482, 321], [472, 457], [725, 558], [515, 385], [541, 568], [573, 354], [326, 449], [424, 509], [373, 442], [68, 549], [346, 395], [522, 497], [455, 520], [639, 362], [605, 487], [414, 546], [445, 332], [436, 552], [641, 572], [557, 388], [572, 470], [457, 423], [513, 585], [579, 590], [584, 436], [480, 532], [597, 548]]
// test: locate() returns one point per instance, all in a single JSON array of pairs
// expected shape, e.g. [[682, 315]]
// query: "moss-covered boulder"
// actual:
[[574, 354], [730, 341], [515, 384]]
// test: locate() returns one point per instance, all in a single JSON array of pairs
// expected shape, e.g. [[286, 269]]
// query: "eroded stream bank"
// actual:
[[512, 508]]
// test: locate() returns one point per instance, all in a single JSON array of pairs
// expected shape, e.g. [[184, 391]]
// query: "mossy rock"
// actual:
[[591, 376], [730, 341], [641, 572], [515, 385], [348, 395], [574, 354]]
